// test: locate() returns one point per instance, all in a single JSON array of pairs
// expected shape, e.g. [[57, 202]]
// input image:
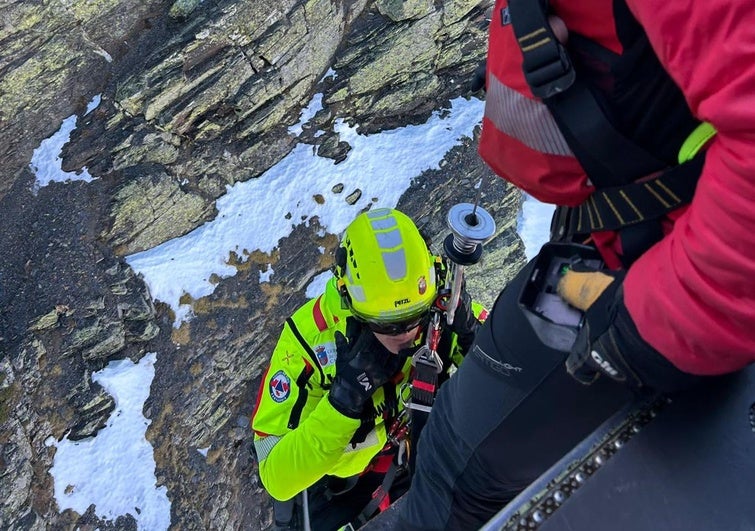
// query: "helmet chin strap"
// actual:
[[338, 270]]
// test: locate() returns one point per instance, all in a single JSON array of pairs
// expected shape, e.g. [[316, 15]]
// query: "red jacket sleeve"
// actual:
[[692, 295]]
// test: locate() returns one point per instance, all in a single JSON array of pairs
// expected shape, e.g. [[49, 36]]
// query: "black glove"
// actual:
[[609, 342], [362, 365], [465, 323], [595, 351]]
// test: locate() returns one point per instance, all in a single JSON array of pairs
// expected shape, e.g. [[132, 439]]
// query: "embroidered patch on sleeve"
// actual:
[[280, 386]]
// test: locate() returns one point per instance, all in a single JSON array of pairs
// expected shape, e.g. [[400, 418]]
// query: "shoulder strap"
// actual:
[[551, 76], [622, 206]]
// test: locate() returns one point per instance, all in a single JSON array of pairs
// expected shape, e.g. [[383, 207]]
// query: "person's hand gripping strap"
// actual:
[[362, 365], [608, 338]]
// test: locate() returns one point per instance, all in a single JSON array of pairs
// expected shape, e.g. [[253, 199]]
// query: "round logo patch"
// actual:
[[422, 285], [280, 386]]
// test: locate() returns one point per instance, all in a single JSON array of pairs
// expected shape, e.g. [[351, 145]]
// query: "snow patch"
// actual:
[[115, 470], [534, 224], [265, 275], [46, 163], [317, 285], [256, 214], [307, 114]]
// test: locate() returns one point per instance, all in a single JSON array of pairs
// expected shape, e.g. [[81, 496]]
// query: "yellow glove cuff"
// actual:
[[582, 289]]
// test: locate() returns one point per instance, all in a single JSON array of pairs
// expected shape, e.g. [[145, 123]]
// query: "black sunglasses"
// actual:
[[398, 328]]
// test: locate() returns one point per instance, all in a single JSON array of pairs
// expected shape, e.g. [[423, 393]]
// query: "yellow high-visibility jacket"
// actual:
[[299, 437]]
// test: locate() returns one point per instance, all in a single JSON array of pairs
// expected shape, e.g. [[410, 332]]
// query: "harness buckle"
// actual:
[[548, 70], [425, 356]]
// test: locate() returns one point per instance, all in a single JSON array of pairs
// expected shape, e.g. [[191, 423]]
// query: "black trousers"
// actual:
[[508, 414]]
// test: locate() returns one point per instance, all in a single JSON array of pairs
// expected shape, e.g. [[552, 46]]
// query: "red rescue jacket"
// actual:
[[692, 295]]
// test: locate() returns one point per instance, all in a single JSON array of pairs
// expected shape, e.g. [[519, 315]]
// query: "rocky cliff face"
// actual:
[[195, 95]]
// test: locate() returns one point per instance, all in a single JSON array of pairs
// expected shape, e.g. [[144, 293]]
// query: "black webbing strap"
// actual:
[[301, 383], [546, 64], [308, 349], [418, 420], [303, 379], [618, 207], [379, 495], [596, 143], [551, 76]]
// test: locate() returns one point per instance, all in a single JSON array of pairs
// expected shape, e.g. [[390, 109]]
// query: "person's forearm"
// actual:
[[306, 454], [692, 295]]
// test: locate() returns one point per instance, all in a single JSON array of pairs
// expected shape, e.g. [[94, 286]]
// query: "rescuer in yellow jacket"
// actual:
[[330, 414]]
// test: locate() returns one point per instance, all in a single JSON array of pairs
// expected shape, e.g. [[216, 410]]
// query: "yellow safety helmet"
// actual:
[[385, 272]]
